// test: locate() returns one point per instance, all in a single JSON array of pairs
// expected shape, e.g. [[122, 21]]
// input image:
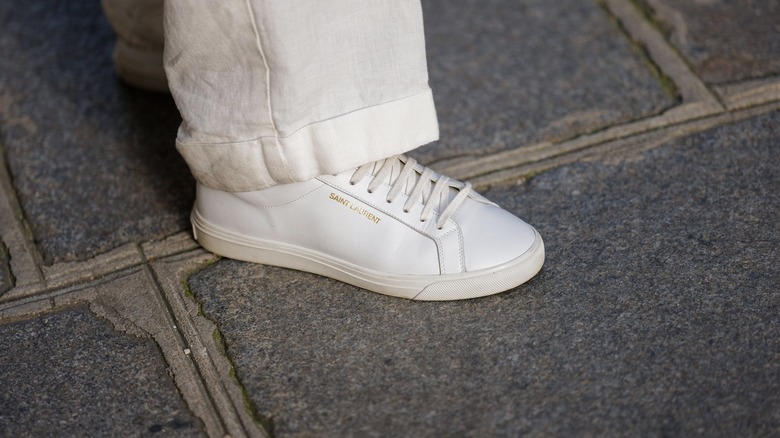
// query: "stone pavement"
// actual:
[[638, 136]]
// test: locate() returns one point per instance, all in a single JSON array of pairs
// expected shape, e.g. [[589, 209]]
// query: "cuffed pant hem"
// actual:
[[323, 148]]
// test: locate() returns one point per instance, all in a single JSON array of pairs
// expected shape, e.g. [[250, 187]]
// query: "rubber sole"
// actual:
[[416, 287]]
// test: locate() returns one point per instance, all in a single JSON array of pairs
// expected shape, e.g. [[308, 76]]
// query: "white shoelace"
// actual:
[[420, 183]]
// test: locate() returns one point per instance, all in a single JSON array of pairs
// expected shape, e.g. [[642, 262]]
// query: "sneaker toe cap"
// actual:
[[492, 236]]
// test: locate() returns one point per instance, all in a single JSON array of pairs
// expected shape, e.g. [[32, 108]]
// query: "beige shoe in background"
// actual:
[[138, 54]]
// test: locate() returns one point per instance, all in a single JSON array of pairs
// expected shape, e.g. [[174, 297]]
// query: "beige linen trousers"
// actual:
[[279, 91]]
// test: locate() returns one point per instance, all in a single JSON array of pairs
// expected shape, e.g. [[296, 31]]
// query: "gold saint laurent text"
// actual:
[[356, 208]]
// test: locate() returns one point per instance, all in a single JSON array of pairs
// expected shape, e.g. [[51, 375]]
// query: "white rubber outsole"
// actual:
[[416, 287]]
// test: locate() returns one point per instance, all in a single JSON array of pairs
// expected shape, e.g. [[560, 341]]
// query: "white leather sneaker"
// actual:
[[392, 227]]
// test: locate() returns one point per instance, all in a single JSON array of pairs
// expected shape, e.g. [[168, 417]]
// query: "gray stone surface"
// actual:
[[725, 40], [507, 73], [658, 312], [6, 277], [70, 374], [93, 162]]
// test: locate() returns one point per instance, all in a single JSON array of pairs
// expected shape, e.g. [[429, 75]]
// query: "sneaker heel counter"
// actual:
[[225, 210], [208, 203]]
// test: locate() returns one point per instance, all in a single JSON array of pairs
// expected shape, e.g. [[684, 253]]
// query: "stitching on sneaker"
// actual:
[[440, 245]]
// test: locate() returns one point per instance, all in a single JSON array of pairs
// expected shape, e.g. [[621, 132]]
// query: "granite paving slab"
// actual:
[[506, 73], [657, 313], [70, 374], [93, 161], [724, 40]]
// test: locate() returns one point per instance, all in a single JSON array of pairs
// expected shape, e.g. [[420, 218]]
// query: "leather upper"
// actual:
[[333, 216]]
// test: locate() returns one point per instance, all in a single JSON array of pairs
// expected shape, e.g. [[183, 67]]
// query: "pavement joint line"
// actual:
[[24, 258], [78, 275], [667, 84], [119, 258], [31, 305], [213, 366], [25, 309], [663, 54], [479, 170], [134, 306], [218, 424], [540, 151], [621, 148], [7, 279], [179, 243], [750, 93], [63, 274]]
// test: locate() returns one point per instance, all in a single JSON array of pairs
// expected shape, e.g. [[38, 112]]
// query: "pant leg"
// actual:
[[278, 91]]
